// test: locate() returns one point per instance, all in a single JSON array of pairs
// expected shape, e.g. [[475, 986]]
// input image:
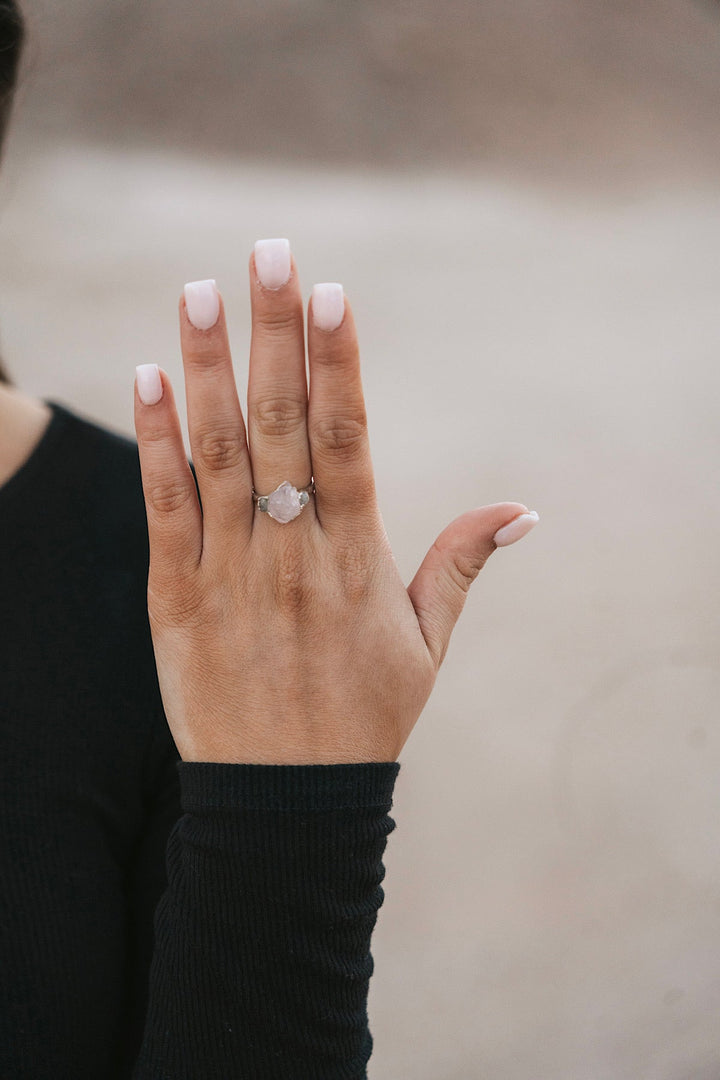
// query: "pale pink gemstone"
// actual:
[[284, 503]]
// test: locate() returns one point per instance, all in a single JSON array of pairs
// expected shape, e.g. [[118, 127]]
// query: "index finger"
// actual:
[[337, 420]]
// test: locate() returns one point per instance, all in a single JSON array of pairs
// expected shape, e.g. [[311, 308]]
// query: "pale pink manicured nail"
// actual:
[[202, 303], [328, 305], [516, 529], [272, 262], [149, 383]]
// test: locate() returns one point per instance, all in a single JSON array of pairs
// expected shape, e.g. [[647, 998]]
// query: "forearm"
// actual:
[[262, 953]]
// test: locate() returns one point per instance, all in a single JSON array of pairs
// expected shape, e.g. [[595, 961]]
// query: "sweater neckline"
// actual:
[[43, 457]]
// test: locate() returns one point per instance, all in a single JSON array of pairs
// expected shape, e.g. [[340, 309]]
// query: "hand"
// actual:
[[290, 643]]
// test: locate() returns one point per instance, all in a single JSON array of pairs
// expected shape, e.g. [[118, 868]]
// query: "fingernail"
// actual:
[[272, 262], [202, 303], [149, 383], [516, 529], [328, 305]]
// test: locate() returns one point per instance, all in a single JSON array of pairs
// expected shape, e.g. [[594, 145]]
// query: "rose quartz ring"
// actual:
[[285, 502]]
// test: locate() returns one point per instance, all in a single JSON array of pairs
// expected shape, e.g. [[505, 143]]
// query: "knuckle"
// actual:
[[341, 436], [282, 322], [218, 450], [279, 416], [153, 436], [356, 573], [168, 496], [463, 569], [293, 580], [206, 359], [337, 354], [170, 605]]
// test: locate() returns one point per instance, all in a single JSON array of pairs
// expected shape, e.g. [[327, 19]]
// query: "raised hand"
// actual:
[[289, 642]]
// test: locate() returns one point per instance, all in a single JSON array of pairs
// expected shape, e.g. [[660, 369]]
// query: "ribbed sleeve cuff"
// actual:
[[206, 785]]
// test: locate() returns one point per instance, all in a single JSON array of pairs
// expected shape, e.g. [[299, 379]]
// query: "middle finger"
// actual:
[[277, 384]]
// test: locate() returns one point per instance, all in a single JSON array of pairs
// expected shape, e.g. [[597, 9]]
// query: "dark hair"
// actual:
[[12, 33]]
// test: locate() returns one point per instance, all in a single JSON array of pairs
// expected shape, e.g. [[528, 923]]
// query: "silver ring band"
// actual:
[[285, 502]]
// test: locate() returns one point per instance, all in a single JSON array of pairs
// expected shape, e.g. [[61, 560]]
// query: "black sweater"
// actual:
[[159, 919]]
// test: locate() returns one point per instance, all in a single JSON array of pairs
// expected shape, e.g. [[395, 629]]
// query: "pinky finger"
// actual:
[[173, 511]]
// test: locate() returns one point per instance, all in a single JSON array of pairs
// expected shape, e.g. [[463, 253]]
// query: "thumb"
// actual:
[[439, 588]]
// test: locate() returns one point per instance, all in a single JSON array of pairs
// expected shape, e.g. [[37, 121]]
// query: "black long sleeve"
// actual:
[[262, 948], [158, 919]]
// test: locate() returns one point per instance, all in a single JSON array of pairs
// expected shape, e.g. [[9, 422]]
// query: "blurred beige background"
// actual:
[[523, 204]]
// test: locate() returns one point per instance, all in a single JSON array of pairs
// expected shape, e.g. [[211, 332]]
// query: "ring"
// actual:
[[285, 502]]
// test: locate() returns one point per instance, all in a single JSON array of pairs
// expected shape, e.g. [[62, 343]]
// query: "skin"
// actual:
[[295, 643], [23, 420]]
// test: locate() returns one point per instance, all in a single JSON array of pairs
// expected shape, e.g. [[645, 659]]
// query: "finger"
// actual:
[[439, 588], [337, 420], [215, 422], [277, 385], [175, 526]]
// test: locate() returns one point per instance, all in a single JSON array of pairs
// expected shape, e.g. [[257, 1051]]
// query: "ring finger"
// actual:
[[277, 384]]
